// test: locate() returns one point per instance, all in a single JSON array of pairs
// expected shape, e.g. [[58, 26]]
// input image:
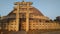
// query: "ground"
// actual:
[[34, 32]]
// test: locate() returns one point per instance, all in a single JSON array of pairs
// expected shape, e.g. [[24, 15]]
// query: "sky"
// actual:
[[50, 8]]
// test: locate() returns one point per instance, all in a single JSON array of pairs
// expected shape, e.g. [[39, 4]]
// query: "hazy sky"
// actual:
[[50, 8]]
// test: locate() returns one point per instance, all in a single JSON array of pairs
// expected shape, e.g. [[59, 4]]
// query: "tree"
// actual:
[[0, 16]]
